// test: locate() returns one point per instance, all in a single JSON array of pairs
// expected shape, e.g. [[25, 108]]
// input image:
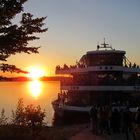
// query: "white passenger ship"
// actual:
[[101, 77]]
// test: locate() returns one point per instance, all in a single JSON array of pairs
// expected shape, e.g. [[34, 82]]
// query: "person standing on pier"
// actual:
[[137, 116], [94, 120]]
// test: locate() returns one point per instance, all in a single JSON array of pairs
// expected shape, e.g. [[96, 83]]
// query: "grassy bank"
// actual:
[[10, 132]]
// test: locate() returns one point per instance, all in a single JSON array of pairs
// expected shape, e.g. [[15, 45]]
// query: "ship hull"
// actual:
[[66, 111]]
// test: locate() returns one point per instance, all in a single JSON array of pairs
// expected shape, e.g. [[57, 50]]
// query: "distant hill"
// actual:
[[14, 78], [54, 78], [49, 78]]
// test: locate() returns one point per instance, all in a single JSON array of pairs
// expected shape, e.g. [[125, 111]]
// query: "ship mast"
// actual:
[[104, 45]]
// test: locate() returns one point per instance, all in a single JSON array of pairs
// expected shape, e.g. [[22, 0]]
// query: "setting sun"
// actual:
[[36, 72]]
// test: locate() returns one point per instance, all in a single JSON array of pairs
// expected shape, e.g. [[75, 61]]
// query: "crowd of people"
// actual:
[[62, 98], [110, 120]]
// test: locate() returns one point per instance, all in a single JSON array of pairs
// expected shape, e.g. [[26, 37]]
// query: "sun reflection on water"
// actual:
[[35, 88]]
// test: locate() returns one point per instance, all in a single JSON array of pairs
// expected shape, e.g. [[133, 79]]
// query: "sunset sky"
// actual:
[[76, 26]]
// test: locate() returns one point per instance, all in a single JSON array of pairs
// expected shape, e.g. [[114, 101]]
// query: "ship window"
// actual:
[[111, 68], [106, 68], [100, 67], [102, 75]]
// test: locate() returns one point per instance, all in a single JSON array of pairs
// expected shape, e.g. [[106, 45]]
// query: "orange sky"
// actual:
[[75, 27]]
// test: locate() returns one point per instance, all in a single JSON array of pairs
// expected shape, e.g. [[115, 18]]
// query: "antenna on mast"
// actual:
[[104, 45]]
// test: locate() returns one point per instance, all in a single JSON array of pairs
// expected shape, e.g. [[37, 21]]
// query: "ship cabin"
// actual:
[[101, 77]]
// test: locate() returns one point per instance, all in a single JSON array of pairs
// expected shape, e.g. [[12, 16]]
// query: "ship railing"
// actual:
[[133, 68], [66, 67], [128, 63]]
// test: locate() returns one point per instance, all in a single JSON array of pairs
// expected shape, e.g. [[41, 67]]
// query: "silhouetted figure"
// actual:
[[130, 65], [104, 117], [63, 98], [127, 121], [59, 97], [137, 124], [134, 65], [122, 120], [115, 121], [65, 67], [94, 120], [137, 116]]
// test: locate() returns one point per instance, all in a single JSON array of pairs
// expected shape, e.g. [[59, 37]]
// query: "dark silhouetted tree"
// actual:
[[34, 115], [18, 116], [14, 37], [29, 117], [3, 118]]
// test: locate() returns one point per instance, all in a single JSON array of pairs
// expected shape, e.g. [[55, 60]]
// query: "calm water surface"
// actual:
[[34, 92]]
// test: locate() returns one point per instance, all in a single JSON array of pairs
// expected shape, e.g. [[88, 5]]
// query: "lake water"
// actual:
[[33, 92]]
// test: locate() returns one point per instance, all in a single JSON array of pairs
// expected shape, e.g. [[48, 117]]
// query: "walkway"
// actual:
[[85, 134]]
